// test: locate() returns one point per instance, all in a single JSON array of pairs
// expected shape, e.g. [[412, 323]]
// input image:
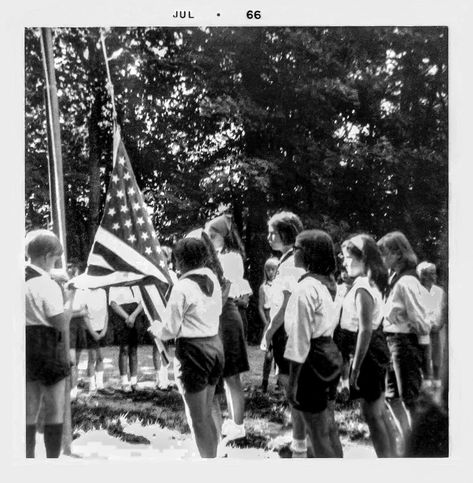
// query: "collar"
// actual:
[[38, 269], [327, 280], [286, 256]]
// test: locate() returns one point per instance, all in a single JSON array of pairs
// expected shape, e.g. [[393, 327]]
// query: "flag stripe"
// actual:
[[121, 252]]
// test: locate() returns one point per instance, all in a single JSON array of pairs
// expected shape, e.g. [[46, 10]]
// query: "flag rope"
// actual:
[[110, 88]]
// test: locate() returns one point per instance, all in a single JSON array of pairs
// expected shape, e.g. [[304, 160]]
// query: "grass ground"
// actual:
[[266, 418]]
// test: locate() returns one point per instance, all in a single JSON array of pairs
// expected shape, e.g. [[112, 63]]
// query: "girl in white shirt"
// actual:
[[227, 243], [191, 318], [406, 320], [310, 319], [362, 313]]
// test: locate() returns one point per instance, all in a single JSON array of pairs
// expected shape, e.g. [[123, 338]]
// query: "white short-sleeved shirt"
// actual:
[[286, 279], [435, 301], [349, 316], [44, 299], [189, 312], [125, 295], [266, 289], [233, 271], [95, 302], [310, 313], [406, 306]]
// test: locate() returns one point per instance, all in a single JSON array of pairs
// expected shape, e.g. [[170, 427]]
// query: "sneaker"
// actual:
[[226, 426], [126, 388], [285, 451], [235, 431]]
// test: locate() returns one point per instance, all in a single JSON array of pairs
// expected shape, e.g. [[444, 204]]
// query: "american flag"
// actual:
[[126, 250]]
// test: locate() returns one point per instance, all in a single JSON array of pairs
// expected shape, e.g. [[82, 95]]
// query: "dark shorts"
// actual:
[[404, 376], [278, 344], [346, 342], [318, 376], [77, 334], [233, 339], [199, 362], [94, 344], [122, 334], [372, 378], [46, 358]]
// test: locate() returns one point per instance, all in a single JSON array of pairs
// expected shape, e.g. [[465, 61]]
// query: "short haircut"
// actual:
[[40, 243], [288, 225], [396, 242], [191, 252], [271, 262], [426, 267], [318, 253]]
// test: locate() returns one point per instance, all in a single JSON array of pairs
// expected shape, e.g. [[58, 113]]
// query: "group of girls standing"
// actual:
[[383, 322]]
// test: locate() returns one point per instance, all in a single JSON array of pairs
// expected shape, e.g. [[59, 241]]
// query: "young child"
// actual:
[[92, 305], [77, 331], [314, 359], [126, 304], [406, 320], [47, 323], [192, 318], [362, 311], [264, 304]]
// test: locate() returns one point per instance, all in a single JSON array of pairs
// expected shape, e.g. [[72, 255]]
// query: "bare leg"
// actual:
[[318, 428], [373, 414], [400, 419], [268, 360], [235, 398], [123, 360], [333, 431], [201, 420], [133, 359], [298, 425], [217, 416]]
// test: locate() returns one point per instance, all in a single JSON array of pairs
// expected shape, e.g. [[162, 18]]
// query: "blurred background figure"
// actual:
[[436, 301]]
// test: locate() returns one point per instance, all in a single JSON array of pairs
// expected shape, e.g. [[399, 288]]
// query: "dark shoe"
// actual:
[[106, 392], [285, 451], [134, 387]]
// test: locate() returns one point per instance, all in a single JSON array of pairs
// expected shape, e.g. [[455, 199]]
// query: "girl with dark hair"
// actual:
[[227, 243], [314, 359], [192, 319], [283, 229], [362, 313], [406, 320]]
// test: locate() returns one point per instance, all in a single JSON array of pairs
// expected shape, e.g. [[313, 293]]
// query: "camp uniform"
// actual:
[[371, 379], [192, 318], [46, 359], [309, 322], [285, 280], [95, 301], [231, 325], [128, 299], [405, 318]]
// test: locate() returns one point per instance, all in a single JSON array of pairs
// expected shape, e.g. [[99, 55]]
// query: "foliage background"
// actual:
[[348, 127]]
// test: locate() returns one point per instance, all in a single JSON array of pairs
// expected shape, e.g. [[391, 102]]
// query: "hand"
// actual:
[[265, 341], [354, 379], [291, 395], [131, 320], [96, 336]]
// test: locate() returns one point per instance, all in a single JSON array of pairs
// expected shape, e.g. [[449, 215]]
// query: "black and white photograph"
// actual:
[[237, 239]]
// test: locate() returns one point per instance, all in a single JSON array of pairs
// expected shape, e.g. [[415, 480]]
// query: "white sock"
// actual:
[[134, 380], [163, 375], [124, 380], [299, 445], [74, 392], [92, 385], [99, 379]]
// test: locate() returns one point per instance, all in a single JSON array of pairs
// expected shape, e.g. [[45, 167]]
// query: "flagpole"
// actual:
[[56, 189], [110, 88]]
